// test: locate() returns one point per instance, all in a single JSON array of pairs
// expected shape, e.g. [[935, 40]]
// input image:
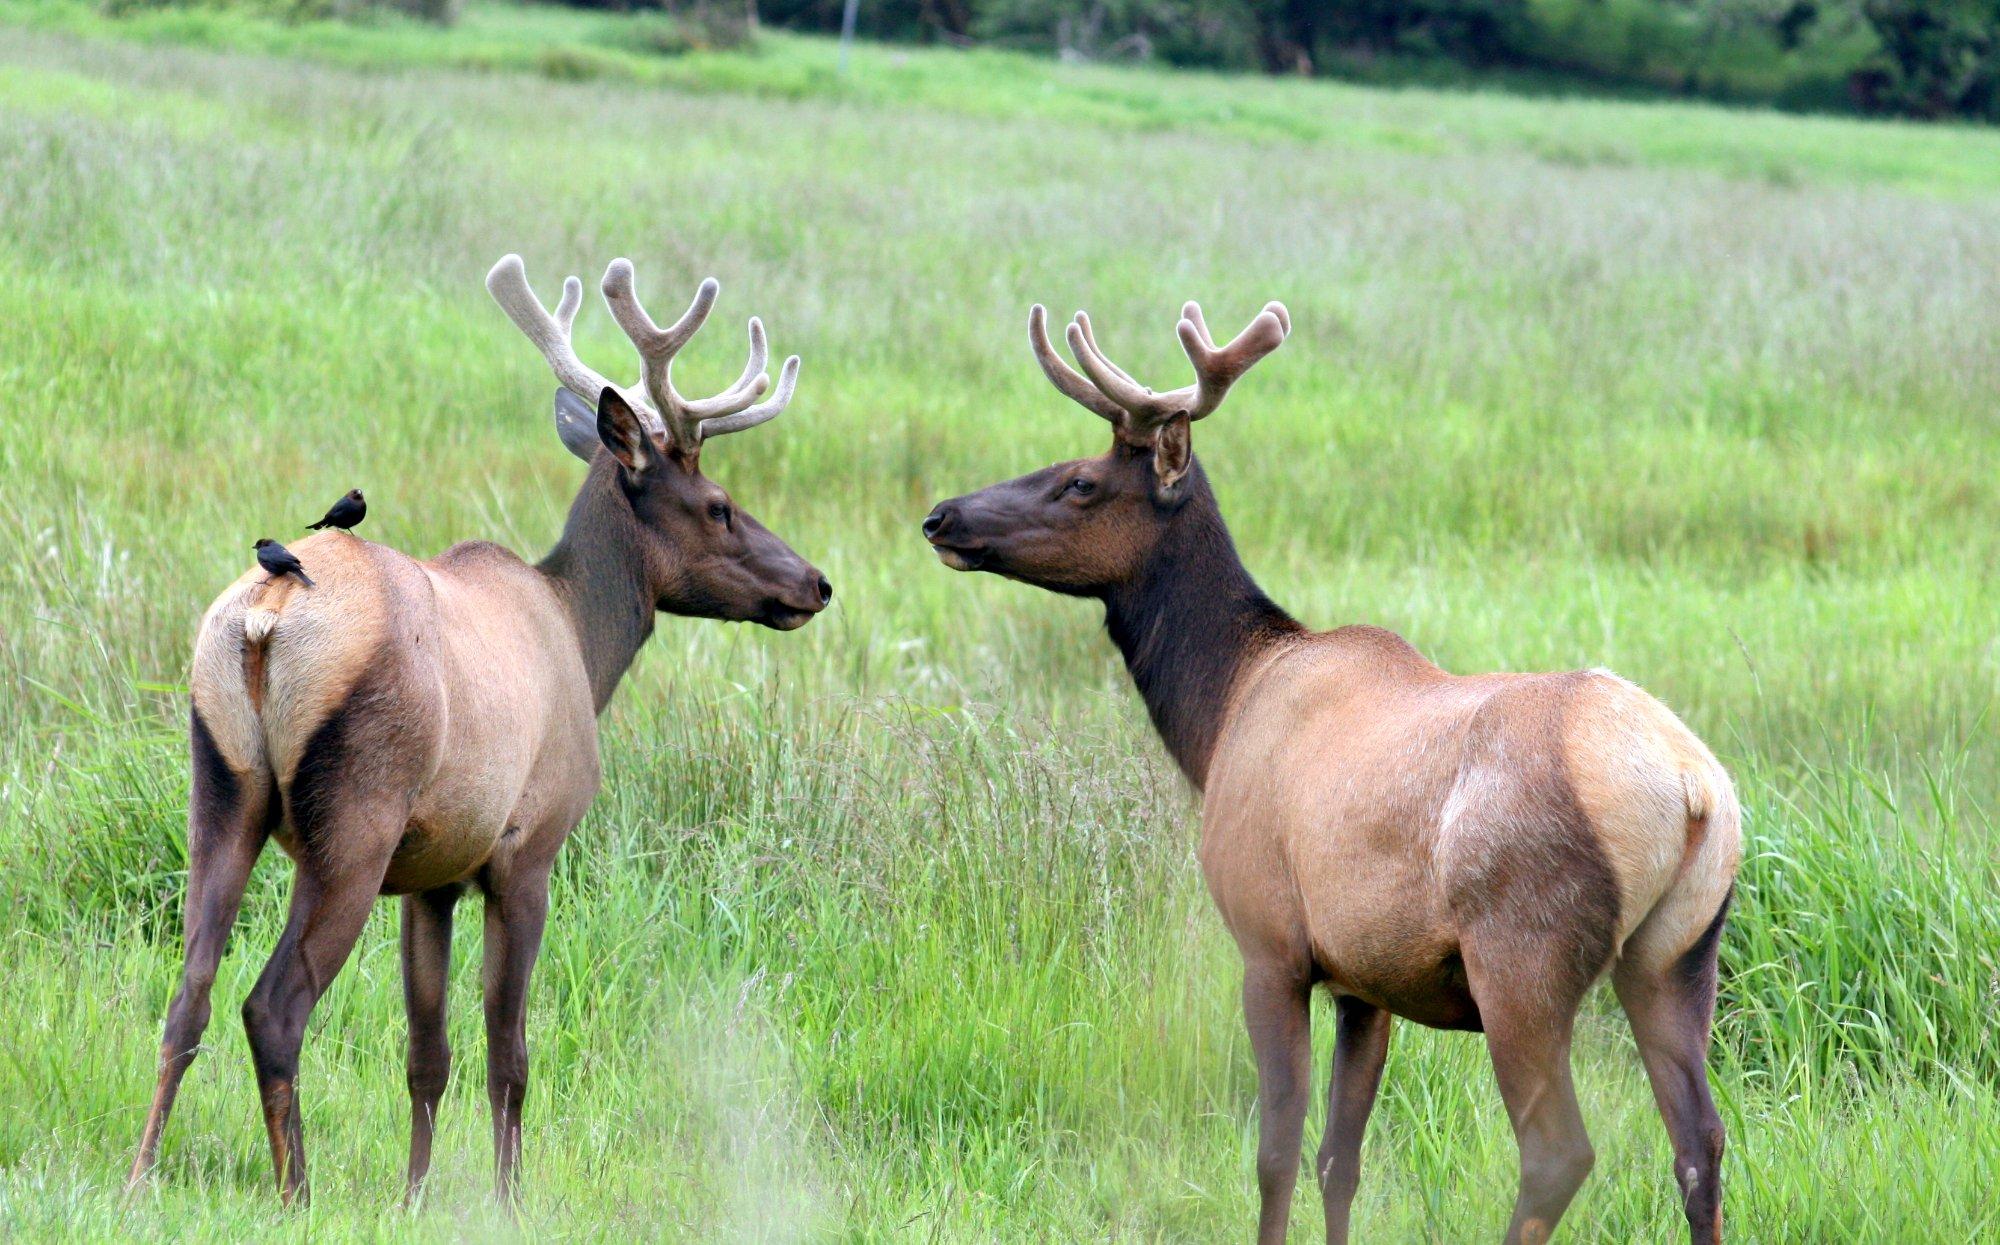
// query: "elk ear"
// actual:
[[620, 430], [576, 424], [1173, 452]]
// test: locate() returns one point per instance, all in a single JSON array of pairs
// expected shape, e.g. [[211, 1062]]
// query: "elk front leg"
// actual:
[[1277, 1008], [1358, 1055], [515, 915], [227, 829], [426, 984]]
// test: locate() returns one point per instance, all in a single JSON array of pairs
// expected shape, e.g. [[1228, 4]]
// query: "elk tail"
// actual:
[[260, 620], [1711, 807], [1699, 798]]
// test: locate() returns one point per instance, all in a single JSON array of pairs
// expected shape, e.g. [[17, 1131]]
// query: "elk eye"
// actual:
[[1082, 487], [719, 512]]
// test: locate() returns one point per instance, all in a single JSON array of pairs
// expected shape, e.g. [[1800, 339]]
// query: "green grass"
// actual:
[[890, 928]]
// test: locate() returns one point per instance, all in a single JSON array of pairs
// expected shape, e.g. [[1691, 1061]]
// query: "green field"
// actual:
[[890, 928]]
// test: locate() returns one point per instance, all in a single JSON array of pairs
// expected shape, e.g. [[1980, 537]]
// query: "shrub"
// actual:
[[438, 12], [1938, 58], [715, 25]]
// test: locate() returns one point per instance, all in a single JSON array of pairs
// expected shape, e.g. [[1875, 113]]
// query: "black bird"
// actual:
[[279, 561], [346, 513]]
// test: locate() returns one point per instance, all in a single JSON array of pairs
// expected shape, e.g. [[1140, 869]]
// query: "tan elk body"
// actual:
[[1467, 852], [467, 670], [419, 728]]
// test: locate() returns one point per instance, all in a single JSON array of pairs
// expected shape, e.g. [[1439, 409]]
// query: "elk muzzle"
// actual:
[[789, 610], [950, 535], [1000, 526]]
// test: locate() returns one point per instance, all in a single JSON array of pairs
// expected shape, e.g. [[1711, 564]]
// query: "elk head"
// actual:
[[696, 552], [1086, 526]]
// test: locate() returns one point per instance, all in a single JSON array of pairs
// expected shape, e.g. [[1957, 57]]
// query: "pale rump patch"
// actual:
[[216, 679], [1667, 813], [1643, 780], [273, 658], [1713, 850]]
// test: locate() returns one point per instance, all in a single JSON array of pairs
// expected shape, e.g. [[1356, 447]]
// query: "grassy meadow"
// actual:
[[890, 929]]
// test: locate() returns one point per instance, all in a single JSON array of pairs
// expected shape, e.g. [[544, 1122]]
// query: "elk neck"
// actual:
[[597, 571], [1189, 623]]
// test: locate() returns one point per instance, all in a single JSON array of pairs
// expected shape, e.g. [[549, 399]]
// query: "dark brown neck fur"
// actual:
[[596, 571], [1188, 625]]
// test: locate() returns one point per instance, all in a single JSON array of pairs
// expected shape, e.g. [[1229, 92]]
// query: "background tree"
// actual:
[[1938, 58]]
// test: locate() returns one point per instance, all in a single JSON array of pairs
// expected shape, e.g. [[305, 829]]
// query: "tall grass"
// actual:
[[890, 928]]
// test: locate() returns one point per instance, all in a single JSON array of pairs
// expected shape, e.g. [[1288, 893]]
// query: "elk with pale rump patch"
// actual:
[[419, 728], [1468, 852]]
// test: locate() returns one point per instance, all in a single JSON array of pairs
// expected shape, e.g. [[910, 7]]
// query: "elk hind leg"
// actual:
[[1671, 1006], [339, 875], [1528, 988], [229, 821]]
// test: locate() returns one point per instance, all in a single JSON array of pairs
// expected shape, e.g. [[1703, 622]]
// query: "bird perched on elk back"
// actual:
[[345, 514], [279, 561]]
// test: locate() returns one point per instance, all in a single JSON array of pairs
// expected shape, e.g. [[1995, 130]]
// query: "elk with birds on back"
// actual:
[[423, 728]]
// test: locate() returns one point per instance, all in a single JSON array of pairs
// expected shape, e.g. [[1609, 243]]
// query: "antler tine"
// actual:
[[1139, 402], [657, 346], [1191, 312], [746, 388], [1110, 391], [1217, 369], [1090, 335], [507, 282], [1065, 378], [654, 342], [788, 379]]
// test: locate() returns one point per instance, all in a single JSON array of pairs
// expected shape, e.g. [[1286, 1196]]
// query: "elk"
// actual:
[[422, 728], [1466, 852]]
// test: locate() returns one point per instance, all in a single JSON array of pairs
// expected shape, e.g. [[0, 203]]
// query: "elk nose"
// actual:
[[825, 592], [939, 520]]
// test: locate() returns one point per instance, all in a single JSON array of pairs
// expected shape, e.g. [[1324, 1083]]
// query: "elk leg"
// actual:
[[515, 916], [1277, 1007], [1527, 1002], [329, 907], [426, 981], [227, 829], [1360, 1049], [1671, 1010]]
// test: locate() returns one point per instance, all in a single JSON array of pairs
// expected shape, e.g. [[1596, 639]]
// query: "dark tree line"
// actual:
[[1932, 58], [1276, 36], [1938, 58]]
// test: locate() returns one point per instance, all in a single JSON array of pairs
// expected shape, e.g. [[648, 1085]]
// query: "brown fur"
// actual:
[[1468, 852], [419, 727]]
